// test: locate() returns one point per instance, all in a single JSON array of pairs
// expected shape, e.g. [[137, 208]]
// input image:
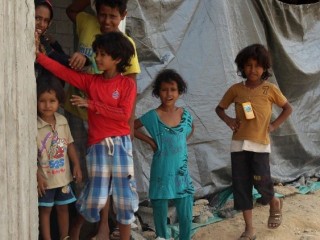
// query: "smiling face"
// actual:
[[105, 62], [47, 105], [169, 93], [253, 70], [109, 18], [43, 18]]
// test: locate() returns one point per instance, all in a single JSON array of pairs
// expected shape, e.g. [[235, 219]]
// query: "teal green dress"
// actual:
[[169, 175]]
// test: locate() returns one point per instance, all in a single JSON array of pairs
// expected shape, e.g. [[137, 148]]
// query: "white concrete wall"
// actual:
[[18, 197]]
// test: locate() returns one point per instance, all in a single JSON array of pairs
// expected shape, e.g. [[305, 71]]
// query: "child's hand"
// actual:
[[233, 123], [77, 61], [271, 128], [37, 34], [79, 101], [77, 174], [42, 184]]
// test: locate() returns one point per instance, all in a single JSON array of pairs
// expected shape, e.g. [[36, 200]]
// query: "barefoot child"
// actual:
[[55, 148], [111, 97], [250, 146], [169, 127]]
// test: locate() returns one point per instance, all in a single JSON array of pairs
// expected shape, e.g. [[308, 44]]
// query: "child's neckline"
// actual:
[[174, 109], [166, 125], [52, 121], [107, 78], [245, 84]]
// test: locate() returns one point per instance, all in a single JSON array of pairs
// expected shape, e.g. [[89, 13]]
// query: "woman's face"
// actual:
[[43, 19]]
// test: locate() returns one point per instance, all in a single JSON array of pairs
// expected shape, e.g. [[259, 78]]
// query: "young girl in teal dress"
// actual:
[[169, 127]]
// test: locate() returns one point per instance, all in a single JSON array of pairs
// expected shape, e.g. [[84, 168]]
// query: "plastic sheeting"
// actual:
[[200, 39]]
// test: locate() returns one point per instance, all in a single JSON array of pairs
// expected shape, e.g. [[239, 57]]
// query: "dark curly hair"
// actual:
[[257, 52], [168, 75], [117, 46], [47, 83], [120, 4]]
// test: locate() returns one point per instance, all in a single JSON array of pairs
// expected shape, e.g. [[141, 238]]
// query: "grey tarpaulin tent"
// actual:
[[200, 39]]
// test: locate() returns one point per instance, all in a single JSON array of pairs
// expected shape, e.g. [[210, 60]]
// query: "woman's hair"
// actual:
[[257, 52], [117, 46], [48, 83], [168, 75], [45, 3], [120, 4]]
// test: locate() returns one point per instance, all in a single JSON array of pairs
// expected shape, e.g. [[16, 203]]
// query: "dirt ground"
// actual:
[[301, 221]]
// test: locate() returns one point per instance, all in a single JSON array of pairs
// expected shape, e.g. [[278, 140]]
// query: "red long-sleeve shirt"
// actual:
[[110, 100]]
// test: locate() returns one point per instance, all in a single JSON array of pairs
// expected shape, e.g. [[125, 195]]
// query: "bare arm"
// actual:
[[143, 137], [73, 156], [189, 136], [233, 123], [286, 111], [42, 183], [76, 7]]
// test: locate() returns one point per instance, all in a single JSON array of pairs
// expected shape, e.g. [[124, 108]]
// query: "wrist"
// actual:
[[76, 165]]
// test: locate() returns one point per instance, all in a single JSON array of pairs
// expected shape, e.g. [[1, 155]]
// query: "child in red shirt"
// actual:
[[111, 97]]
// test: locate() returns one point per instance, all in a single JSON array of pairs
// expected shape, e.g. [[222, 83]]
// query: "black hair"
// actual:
[[117, 46], [46, 4], [257, 52], [167, 76], [120, 4], [48, 83]]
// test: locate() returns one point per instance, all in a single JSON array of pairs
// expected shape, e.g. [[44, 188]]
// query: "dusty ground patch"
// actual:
[[301, 221]]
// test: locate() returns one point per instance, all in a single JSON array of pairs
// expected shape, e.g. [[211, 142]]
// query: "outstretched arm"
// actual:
[[143, 137], [77, 79], [233, 123], [54, 50], [286, 111]]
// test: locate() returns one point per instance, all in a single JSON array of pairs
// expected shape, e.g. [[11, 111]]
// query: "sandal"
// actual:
[[247, 236], [115, 235], [275, 217], [66, 238]]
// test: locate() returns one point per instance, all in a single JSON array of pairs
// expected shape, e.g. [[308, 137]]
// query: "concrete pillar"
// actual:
[[18, 152]]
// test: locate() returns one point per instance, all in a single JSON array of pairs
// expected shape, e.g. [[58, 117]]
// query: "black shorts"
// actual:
[[57, 196], [250, 169]]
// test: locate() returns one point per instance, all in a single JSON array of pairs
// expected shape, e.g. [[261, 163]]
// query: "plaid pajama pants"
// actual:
[[110, 171]]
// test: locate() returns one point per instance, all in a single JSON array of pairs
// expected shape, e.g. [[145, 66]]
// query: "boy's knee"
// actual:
[[264, 186], [62, 208]]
